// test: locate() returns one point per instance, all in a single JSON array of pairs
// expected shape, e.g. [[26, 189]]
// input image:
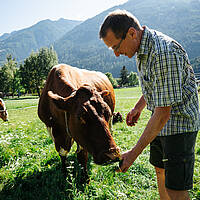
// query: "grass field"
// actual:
[[30, 168]]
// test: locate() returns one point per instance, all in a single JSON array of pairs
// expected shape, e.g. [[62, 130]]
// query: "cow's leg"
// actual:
[[63, 150], [63, 143], [82, 157]]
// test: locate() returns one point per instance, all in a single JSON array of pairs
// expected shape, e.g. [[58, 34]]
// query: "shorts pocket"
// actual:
[[179, 171]]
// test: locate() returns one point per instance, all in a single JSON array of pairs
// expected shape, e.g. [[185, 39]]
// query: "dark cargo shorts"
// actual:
[[176, 154]]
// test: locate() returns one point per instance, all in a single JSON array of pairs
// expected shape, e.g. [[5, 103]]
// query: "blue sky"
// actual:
[[19, 14]]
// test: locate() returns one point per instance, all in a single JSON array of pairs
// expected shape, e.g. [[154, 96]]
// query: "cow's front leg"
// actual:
[[64, 164], [82, 157], [63, 152], [63, 143]]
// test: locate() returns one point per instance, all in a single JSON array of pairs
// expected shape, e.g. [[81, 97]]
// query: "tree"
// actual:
[[3, 80], [7, 76], [133, 79], [111, 79], [196, 66], [19, 89], [123, 76], [36, 68]]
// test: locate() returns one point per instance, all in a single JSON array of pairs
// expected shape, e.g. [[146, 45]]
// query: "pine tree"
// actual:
[[111, 79], [123, 76]]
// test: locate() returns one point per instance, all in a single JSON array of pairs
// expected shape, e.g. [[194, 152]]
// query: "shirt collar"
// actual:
[[144, 43]]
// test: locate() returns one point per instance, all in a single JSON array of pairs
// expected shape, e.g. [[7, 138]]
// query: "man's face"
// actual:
[[127, 46]]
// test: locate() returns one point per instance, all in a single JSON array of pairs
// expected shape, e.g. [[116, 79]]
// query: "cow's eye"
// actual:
[[82, 116], [82, 120], [107, 115], [97, 106]]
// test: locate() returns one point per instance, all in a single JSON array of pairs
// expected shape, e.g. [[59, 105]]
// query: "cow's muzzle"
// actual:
[[109, 157], [113, 153]]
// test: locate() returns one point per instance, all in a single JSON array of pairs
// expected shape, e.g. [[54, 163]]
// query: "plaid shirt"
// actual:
[[167, 79]]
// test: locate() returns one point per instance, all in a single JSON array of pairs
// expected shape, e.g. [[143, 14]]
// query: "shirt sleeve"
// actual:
[[168, 78]]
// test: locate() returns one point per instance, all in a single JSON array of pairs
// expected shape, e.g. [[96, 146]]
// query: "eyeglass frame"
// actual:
[[116, 48]]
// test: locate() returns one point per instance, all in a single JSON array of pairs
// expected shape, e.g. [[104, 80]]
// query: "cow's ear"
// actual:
[[55, 96], [61, 102], [104, 93]]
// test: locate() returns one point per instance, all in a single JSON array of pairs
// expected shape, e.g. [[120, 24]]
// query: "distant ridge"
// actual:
[[179, 19], [78, 44], [44, 33]]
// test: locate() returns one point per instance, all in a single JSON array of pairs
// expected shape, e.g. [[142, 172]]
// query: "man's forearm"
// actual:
[[154, 126], [140, 105]]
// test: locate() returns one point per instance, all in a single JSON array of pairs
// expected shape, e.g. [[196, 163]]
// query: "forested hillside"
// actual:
[[179, 19], [196, 66], [78, 44]]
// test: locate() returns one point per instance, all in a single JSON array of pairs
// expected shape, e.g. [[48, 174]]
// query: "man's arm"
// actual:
[[156, 123]]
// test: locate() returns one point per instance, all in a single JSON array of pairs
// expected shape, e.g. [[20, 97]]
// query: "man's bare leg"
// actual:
[[160, 173], [168, 194], [178, 195]]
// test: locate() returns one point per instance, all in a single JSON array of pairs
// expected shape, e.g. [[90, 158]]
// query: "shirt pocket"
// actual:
[[147, 90], [147, 83]]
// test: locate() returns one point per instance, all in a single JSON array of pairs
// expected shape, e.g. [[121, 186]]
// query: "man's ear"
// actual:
[[132, 33]]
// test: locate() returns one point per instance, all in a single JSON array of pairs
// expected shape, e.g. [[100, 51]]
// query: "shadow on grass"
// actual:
[[21, 98], [47, 185]]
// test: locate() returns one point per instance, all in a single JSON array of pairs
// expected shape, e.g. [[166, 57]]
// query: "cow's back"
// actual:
[[63, 79], [79, 77]]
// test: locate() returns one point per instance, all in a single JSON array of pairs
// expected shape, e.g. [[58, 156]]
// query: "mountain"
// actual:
[[44, 33], [178, 19], [6, 35], [196, 66], [77, 43]]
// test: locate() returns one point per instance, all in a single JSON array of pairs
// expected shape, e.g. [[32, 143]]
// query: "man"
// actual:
[[169, 91]]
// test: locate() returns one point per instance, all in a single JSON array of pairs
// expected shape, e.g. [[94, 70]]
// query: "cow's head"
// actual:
[[88, 122], [3, 111]]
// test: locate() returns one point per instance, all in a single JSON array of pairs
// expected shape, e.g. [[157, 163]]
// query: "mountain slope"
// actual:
[[179, 19], [21, 43]]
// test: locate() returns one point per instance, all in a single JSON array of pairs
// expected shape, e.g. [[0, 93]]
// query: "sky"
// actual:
[[19, 14]]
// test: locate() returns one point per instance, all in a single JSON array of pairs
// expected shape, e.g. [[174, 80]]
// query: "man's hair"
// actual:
[[119, 21]]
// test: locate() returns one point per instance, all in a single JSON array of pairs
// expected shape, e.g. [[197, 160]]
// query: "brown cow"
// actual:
[[77, 105], [3, 111], [117, 117]]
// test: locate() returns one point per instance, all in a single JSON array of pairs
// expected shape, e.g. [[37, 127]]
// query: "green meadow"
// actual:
[[30, 168]]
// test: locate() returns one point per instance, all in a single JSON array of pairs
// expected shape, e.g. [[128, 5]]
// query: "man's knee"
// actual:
[[178, 194], [159, 171]]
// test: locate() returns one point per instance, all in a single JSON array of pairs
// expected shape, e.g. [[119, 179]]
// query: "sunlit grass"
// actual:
[[30, 167]]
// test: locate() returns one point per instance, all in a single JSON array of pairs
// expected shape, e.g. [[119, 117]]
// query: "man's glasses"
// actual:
[[116, 48]]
